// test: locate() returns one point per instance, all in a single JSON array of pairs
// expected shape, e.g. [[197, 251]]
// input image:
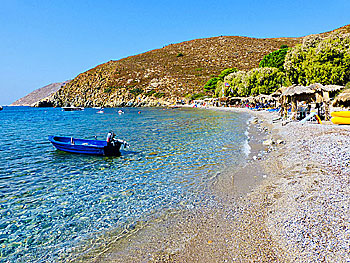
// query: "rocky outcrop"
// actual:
[[40, 94]]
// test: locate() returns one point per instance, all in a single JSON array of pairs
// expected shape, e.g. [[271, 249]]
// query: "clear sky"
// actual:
[[48, 41]]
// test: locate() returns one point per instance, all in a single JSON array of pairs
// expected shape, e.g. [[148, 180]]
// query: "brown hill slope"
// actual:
[[39, 94], [171, 72], [343, 29]]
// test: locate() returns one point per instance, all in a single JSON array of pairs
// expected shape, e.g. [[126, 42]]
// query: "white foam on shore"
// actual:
[[246, 146]]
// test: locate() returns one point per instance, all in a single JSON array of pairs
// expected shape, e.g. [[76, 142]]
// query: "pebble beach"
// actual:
[[305, 199], [309, 193], [295, 205]]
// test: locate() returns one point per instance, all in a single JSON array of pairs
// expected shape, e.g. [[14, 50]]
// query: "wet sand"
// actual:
[[290, 205]]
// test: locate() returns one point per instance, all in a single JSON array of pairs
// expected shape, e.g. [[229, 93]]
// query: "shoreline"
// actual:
[[297, 211], [167, 237]]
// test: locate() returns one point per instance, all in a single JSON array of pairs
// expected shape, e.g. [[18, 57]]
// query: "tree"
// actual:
[[214, 84], [226, 72], [210, 86], [326, 61], [329, 61], [275, 59], [254, 82]]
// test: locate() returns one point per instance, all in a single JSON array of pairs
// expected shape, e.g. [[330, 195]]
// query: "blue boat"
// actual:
[[92, 147]]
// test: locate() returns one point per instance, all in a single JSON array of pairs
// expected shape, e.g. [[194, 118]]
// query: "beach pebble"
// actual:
[[255, 121], [311, 215], [268, 142]]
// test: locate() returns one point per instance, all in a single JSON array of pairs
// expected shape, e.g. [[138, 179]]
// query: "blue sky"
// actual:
[[48, 41]]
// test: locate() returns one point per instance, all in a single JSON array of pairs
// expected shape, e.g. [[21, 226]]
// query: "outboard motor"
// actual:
[[110, 137]]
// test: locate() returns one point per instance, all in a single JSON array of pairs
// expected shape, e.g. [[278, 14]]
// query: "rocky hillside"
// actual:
[[39, 94], [166, 74]]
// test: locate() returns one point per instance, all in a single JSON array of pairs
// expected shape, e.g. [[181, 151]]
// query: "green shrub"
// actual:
[[179, 55], [159, 95], [136, 91], [210, 86], [107, 90], [325, 61], [254, 82], [274, 59], [150, 93], [216, 85], [347, 86], [196, 96], [226, 72]]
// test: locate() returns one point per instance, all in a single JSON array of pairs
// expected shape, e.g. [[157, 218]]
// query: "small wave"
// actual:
[[246, 146]]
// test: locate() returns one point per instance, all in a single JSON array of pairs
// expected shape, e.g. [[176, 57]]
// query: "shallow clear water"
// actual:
[[52, 202]]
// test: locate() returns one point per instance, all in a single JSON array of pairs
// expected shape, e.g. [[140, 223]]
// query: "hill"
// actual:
[[39, 94], [169, 73]]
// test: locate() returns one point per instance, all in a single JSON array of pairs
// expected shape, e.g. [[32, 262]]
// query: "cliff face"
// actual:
[[39, 94], [167, 74]]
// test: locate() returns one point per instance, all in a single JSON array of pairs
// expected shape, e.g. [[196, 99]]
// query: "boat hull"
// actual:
[[81, 146], [345, 114], [72, 108], [340, 120]]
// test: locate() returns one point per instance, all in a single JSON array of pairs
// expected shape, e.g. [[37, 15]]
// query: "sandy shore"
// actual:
[[291, 205]]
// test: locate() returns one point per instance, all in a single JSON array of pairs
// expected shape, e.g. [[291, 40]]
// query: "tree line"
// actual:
[[315, 60]]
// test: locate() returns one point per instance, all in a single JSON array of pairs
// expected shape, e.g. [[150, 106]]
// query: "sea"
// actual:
[[54, 205]]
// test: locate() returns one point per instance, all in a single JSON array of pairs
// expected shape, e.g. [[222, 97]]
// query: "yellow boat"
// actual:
[[345, 114], [340, 120]]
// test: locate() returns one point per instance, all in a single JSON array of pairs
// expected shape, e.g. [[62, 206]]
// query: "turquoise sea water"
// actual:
[[52, 202]]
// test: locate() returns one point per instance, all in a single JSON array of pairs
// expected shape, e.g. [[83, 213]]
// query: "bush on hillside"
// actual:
[[107, 90], [195, 96], [274, 59], [226, 72], [159, 95], [136, 91], [210, 86]]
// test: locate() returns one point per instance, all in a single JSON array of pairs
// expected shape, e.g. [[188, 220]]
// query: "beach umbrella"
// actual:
[[343, 99], [297, 90], [332, 88]]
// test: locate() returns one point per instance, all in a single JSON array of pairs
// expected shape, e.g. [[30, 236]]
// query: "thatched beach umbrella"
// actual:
[[297, 90], [297, 93], [279, 92], [317, 87], [332, 88], [265, 98], [323, 94], [343, 99]]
